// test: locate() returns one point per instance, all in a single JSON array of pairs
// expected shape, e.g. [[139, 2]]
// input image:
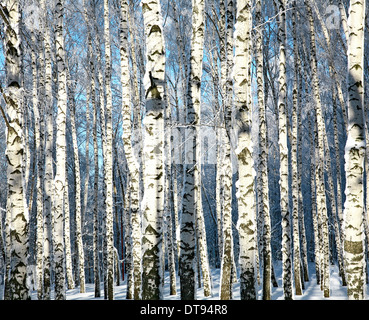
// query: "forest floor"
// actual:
[[311, 291]]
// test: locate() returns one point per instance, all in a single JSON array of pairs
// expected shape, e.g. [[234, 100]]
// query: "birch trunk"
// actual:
[[313, 199], [92, 90], [187, 245], [263, 157], [133, 164], [49, 172], [201, 231], [78, 200], [108, 161], [227, 257], [17, 210], [245, 183], [60, 174], [219, 131], [355, 154], [283, 151], [153, 201], [67, 239], [320, 160], [95, 245], [39, 186]]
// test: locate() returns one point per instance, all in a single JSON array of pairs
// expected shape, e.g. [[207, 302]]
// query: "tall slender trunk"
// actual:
[[263, 157], [92, 90], [320, 160], [60, 174], [245, 183], [37, 110], [133, 164], [188, 233], [67, 233], [153, 175], [108, 161], [313, 198], [16, 205], [96, 247], [283, 151], [355, 154], [227, 257], [48, 180], [78, 199]]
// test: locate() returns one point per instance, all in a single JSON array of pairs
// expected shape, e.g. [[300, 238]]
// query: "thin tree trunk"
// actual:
[[67, 239], [227, 256], [263, 165], [78, 200], [48, 183], [40, 177], [60, 174], [188, 232], [245, 184], [313, 199], [108, 161], [133, 164], [321, 194], [153, 175], [355, 154], [283, 151]]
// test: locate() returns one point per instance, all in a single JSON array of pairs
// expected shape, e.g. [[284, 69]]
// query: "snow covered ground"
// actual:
[[311, 292]]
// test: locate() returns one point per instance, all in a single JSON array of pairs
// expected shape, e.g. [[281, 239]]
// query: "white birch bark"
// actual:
[[93, 80], [263, 157], [60, 174], [95, 245], [17, 210], [49, 172], [187, 245], [78, 199], [355, 154], [283, 151], [201, 231], [313, 199], [40, 176], [227, 256], [153, 175], [169, 198], [67, 238], [133, 164], [320, 160], [219, 131], [245, 184], [108, 160], [38, 149]]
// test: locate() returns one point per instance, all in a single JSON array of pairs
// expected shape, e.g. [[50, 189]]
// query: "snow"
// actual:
[[311, 292]]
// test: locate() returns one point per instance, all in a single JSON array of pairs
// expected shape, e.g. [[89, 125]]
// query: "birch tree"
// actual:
[[49, 172], [60, 174], [108, 161], [263, 161], [320, 159], [355, 154], [153, 175], [227, 256], [93, 85], [187, 244], [78, 200], [17, 210], [283, 151], [132, 162], [245, 183]]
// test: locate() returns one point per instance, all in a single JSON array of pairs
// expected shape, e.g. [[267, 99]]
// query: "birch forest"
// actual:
[[184, 149]]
